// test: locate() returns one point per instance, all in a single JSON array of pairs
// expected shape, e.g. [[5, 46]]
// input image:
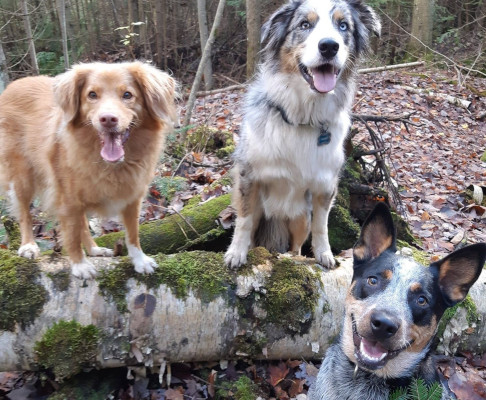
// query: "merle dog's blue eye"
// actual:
[[372, 281], [343, 26], [305, 25], [422, 301]]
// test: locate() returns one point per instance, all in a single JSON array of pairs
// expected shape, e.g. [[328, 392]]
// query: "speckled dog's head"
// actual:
[[394, 304], [318, 39]]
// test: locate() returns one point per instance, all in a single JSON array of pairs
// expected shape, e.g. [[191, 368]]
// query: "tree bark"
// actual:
[[30, 38], [422, 24], [204, 35], [3, 70], [253, 25], [257, 312]]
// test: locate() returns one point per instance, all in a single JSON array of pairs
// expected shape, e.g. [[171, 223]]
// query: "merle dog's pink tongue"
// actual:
[[112, 149], [324, 79]]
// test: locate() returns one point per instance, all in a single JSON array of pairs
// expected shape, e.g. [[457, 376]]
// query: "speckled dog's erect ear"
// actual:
[[458, 271], [377, 235]]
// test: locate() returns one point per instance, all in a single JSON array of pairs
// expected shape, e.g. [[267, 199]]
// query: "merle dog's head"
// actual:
[[394, 304], [319, 39]]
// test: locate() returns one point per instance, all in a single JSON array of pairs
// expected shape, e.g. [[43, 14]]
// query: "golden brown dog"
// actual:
[[85, 141]]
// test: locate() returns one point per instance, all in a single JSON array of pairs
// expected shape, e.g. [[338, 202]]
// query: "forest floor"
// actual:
[[432, 161]]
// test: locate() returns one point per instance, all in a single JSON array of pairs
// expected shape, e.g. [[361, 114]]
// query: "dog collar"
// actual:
[[324, 134]]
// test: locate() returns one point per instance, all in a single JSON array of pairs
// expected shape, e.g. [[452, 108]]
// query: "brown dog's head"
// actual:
[[114, 99], [394, 304]]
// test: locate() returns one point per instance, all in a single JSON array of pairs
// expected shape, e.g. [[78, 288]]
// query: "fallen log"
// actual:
[[439, 96], [191, 309]]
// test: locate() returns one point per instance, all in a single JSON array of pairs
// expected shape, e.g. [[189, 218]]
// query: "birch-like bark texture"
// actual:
[[276, 308]]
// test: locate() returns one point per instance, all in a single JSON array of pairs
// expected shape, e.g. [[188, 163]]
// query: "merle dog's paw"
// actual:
[[235, 257], [326, 259]]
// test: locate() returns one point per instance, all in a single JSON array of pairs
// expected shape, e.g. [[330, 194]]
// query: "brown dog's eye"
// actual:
[[372, 281], [422, 301], [92, 95], [127, 95]]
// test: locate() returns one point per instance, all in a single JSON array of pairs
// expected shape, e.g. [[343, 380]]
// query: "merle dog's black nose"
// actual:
[[328, 48], [383, 326]]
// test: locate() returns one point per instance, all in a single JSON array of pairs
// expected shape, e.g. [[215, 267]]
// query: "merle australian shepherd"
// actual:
[[392, 311], [290, 152]]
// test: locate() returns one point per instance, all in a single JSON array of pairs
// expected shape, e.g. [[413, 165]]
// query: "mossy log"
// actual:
[[192, 308], [195, 223]]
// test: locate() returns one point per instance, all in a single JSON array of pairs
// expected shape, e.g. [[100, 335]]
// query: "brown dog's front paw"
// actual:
[[84, 269]]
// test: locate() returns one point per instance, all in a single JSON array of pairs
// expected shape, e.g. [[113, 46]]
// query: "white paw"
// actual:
[[100, 252], [235, 257], [84, 269], [326, 259], [29, 250], [144, 264]]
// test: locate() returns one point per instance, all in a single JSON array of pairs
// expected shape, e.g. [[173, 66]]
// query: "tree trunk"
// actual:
[[204, 34], [205, 55], [253, 25], [191, 309], [30, 38], [61, 7], [422, 24], [3, 70]]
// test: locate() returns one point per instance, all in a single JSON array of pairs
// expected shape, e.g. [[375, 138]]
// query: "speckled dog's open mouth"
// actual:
[[370, 354], [322, 79]]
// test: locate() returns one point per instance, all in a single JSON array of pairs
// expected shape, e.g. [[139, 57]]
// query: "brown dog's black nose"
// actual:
[[383, 326], [328, 48], [108, 120]]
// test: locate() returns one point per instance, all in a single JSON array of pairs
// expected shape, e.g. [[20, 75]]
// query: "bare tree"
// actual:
[[253, 24], [30, 39], [204, 33], [61, 10]]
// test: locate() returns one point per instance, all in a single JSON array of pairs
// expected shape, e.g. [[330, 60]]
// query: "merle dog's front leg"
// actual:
[[321, 206]]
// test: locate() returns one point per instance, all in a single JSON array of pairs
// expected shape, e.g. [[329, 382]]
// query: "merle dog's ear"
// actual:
[[458, 271], [366, 22], [274, 30], [377, 235]]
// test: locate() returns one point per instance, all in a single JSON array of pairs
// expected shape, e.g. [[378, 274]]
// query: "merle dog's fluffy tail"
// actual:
[[273, 234]]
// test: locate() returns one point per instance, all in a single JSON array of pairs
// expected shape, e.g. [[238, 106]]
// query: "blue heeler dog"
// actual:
[[392, 311]]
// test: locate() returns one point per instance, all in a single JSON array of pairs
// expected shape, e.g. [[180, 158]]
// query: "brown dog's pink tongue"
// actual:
[[112, 150], [324, 79]]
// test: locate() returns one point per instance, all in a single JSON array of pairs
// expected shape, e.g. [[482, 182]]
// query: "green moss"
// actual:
[[168, 186], [403, 230], [202, 271], [472, 315], [113, 282], [483, 157], [326, 308], [258, 256], [292, 294], [343, 231], [60, 280], [171, 233], [68, 347], [205, 138], [242, 389], [419, 256], [21, 297], [13, 232]]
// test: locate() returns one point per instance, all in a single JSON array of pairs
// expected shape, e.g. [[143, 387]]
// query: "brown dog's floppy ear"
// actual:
[[67, 90], [377, 235], [458, 271], [159, 90]]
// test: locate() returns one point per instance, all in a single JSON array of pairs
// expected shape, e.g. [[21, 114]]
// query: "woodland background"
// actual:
[[432, 147], [46, 36]]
